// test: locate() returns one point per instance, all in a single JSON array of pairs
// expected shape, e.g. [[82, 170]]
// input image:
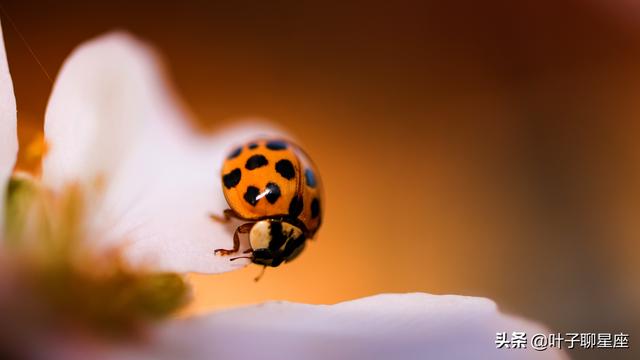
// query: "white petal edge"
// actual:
[[388, 326], [8, 132], [114, 125]]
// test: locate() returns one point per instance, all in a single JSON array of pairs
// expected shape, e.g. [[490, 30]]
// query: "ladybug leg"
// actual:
[[226, 217], [236, 246], [242, 229]]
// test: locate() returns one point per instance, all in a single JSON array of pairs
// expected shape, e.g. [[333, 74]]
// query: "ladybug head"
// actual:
[[275, 241]]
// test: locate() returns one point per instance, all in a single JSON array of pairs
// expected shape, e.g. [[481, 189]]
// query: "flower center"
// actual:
[[50, 276]]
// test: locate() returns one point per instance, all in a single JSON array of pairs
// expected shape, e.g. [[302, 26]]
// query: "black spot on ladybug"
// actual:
[[311, 178], [232, 178], [285, 168], [273, 193], [256, 161], [251, 195], [276, 145], [235, 153], [295, 206], [315, 208], [252, 146]]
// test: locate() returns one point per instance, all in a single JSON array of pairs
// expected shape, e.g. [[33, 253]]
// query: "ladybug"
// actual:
[[274, 187]]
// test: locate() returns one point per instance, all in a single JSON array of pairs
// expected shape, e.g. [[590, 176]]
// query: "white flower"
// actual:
[[390, 326], [150, 182], [114, 125], [8, 134]]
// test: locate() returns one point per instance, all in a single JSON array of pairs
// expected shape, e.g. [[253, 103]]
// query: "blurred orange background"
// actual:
[[483, 148]]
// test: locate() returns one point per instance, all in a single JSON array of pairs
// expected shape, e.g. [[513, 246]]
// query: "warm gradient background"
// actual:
[[485, 148]]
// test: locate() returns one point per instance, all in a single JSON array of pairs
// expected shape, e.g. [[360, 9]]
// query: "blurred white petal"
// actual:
[[114, 125], [8, 134], [408, 326]]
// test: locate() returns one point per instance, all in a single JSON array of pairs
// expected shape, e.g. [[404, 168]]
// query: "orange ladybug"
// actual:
[[273, 186]]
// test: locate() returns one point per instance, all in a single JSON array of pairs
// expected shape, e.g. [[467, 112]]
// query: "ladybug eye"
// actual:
[[262, 254]]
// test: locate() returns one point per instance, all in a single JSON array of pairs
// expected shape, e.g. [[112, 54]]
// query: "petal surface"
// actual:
[[390, 326], [114, 126], [8, 133]]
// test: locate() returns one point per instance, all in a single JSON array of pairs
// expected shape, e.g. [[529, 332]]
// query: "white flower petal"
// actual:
[[114, 125], [8, 133], [408, 326]]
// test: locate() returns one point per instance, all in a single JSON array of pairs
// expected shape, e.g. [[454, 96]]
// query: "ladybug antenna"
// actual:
[[241, 257], [257, 278]]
